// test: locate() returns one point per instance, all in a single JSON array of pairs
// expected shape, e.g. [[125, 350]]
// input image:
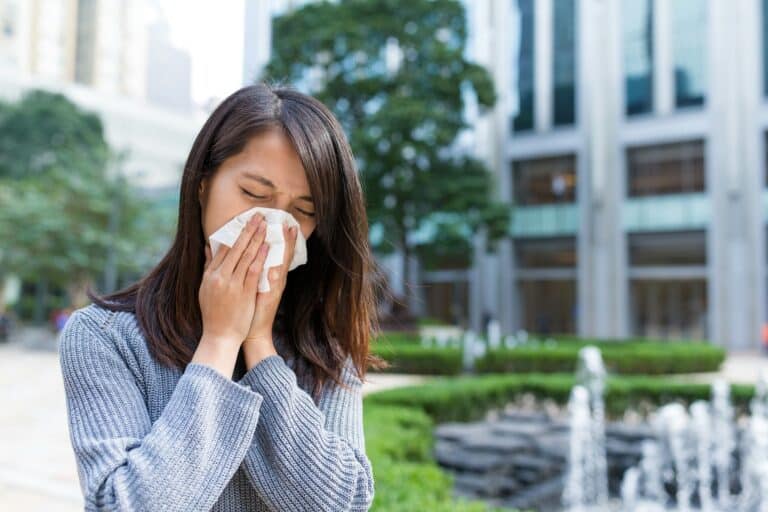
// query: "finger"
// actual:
[[273, 276], [291, 235], [221, 253], [233, 255], [250, 253], [255, 268], [207, 257]]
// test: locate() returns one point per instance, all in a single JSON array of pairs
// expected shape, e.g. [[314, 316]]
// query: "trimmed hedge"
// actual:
[[629, 358], [399, 425], [632, 357], [468, 398], [399, 445], [407, 358]]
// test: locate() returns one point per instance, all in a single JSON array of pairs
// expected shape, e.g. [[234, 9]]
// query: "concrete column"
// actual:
[[477, 282], [735, 175], [602, 253], [495, 29], [663, 58]]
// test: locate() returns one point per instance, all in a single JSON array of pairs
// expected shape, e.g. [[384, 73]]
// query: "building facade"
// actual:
[[635, 157]]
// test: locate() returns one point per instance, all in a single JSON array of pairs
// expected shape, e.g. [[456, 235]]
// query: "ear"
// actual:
[[201, 192]]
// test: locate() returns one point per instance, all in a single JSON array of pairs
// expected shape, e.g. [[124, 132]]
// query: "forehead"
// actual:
[[270, 154]]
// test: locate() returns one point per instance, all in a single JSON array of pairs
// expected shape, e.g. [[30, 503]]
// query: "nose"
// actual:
[[281, 201]]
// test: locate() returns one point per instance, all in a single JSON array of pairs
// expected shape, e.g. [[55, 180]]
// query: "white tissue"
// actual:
[[275, 218]]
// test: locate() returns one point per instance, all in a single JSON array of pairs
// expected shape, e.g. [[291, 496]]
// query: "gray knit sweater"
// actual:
[[148, 437]]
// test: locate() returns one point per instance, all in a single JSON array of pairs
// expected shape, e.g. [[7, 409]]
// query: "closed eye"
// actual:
[[252, 195], [308, 214]]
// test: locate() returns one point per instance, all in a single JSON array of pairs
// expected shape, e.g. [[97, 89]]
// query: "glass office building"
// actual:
[[637, 172]]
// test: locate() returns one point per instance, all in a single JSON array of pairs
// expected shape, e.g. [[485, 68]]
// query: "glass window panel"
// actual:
[[525, 68], [676, 168], [551, 253], [637, 30], [545, 180], [688, 30], [564, 62]]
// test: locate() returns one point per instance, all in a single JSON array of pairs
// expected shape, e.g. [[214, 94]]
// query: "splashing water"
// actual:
[[586, 484], [695, 457]]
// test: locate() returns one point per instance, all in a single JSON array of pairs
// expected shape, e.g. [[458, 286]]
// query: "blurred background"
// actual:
[[540, 175]]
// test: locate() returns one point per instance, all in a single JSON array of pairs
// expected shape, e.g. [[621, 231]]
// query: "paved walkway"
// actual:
[[37, 466], [738, 368]]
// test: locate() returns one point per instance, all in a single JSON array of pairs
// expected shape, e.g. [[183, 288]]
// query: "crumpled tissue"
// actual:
[[275, 218]]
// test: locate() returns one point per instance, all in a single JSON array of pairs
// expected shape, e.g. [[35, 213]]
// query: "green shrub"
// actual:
[[406, 355], [423, 360], [468, 398], [427, 321], [399, 445], [397, 338], [648, 358], [399, 424]]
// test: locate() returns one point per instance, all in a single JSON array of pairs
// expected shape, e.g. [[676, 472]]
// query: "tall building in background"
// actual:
[[101, 55], [257, 33], [111, 45], [257, 38], [169, 71], [38, 37], [98, 43], [637, 165]]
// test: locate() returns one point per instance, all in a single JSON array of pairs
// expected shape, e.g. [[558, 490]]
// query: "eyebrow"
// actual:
[[268, 183]]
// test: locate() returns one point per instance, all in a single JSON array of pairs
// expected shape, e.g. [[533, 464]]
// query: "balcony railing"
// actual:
[[545, 220], [666, 213]]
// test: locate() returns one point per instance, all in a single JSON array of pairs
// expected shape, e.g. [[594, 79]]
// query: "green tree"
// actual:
[[66, 210], [395, 75]]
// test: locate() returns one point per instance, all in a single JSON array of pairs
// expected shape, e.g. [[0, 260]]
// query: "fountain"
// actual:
[[586, 484], [494, 335], [683, 459], [695, 463]]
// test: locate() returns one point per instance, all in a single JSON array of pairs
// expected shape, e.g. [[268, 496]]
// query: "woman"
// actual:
[[190, 390]]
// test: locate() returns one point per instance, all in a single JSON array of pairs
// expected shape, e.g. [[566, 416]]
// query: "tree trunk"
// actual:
[[406, 251], [41, 301]]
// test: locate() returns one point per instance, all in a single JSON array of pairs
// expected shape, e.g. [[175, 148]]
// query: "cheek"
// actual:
[[307, 227], [222, 207]]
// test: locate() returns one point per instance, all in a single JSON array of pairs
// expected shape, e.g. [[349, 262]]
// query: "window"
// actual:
[[637, 30], [676, 168], [548, 253], [564, 71], [548, 303], [525, 68], [667, 249], [545, 180], [765, 46], [688, 30]]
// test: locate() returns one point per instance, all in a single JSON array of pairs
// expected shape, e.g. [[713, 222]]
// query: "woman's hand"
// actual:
[[229, 285], [258, 342]]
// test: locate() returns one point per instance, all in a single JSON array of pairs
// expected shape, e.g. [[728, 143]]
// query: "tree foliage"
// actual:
[[396, 76], [65, 207]]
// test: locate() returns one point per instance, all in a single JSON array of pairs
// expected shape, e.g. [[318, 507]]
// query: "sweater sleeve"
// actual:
[[182, 461], [308, 457]]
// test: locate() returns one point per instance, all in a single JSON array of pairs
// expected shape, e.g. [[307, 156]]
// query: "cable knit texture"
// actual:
[[151, 438]]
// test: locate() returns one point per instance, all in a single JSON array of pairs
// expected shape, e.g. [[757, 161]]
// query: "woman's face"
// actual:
[[267, 173]]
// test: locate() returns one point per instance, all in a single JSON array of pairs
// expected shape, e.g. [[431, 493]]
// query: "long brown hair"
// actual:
[[328, 308]]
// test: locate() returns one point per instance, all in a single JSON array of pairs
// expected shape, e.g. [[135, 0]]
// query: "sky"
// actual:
[[212, 33]]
